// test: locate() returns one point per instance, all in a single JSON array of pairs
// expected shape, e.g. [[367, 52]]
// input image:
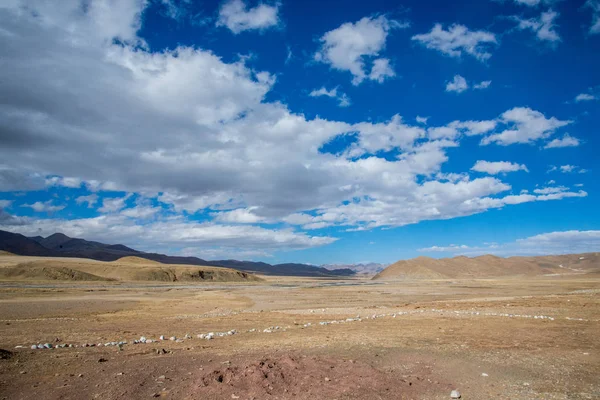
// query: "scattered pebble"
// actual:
[[455, 394]]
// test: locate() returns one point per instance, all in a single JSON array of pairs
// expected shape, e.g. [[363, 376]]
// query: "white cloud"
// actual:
[[584, 97], [526, 126], [566, 169], [65, 182], [239, 216], [343, 99], [560, 242], [381, 70], [550, 190], [235, 15], [594, 5], [141, 211], [113, 204], [482, 85], [167, 233], [458, 39], [458, 84], [91, 200], [566, 141], [46, 206], [543, 27], [444, 249], [529, 3], [203, 136], [498, 167], [348, 47], [5, 203], [421, 120]]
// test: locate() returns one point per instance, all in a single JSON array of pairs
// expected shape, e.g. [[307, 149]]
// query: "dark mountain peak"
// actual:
[[58, 236], [54, 241]]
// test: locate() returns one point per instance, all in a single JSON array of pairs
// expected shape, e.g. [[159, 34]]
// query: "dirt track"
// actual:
[[445, 335]]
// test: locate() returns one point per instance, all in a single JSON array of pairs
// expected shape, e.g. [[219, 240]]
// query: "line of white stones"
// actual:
[[272, 329]]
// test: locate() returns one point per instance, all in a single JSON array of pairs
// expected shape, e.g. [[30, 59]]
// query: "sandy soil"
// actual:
[[481, 337]]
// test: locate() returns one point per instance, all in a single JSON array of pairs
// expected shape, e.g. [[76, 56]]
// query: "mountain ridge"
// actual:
[[61, 245]]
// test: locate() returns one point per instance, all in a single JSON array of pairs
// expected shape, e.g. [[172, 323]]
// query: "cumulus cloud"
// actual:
[[46, 206], [90, 200], [421, 120], [350, 46], [543, 26], [458, 84], [197, 134], [566, 141], [584, 97], [342, 98], [113, 204], [498, 167], [524, 126], [458, 40], [62, 181], [235, 15], [239, 216]]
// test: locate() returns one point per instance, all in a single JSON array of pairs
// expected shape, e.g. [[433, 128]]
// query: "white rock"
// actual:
[[34, 347], [454, 394], [162, 337], [172, 338], [484, 374]]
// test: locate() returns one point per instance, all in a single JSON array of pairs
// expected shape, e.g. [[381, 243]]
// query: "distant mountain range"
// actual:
[[61, 245], [362, 268], [488, 266]]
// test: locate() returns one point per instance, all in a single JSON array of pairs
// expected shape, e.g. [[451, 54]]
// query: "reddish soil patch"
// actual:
[[302, 377]]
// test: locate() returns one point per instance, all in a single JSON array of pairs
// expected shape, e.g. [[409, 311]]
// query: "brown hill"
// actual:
[[6, 253], [128, 269], [490, 266], [136, 260]]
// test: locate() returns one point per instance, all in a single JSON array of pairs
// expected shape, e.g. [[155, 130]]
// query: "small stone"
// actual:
[[162, 377], [455, 394], [119, 374], [484, 374], [34, 347], [23, 372], [162, 337], [327, 379], [172, 338], [101, 360], [80, 375], [233, 396]]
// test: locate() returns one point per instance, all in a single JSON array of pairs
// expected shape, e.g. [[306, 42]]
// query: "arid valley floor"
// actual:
[[302, 338]]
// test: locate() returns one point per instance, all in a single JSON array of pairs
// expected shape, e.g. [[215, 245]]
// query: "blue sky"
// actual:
[[306, 131]]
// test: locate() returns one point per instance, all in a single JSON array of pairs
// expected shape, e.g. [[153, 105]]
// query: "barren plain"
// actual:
[[301, 338]]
